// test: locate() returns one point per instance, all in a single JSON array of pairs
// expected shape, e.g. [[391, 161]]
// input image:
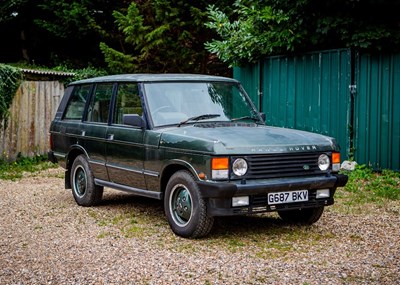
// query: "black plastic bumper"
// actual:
[[264, 186], [219, 194], [51, 157]]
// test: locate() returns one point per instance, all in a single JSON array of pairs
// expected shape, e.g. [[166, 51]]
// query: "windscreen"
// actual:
[[176, 102]]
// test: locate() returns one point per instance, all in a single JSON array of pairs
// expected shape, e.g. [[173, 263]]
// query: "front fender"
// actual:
[[179, 164]]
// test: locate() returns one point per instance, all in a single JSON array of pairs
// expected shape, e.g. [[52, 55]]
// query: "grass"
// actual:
[[366, 185], [15, 170]]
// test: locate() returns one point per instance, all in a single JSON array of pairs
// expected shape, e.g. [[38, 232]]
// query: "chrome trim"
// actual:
[[97, 162], [151, 173], [124, 168], [60, 154], [144, 172]]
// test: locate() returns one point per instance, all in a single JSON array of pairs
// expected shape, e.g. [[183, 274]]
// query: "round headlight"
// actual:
[[323, 162], [239, 167]]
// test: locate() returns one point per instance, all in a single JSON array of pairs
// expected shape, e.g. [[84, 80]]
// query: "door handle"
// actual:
[[110, 137]]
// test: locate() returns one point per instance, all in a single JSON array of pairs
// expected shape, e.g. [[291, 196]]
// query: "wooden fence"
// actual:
[[31, 112]]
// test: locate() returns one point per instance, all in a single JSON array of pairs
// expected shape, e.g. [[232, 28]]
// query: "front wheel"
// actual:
[[86, 192], [306, 216], [184, 207]]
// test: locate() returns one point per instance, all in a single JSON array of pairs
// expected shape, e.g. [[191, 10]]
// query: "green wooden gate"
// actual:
[[352, 97], [377, 111], [308, 92]]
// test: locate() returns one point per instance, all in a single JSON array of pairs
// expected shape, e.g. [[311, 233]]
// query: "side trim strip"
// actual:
[[151, 173], [123, 168], [136, 191], [145, 172]]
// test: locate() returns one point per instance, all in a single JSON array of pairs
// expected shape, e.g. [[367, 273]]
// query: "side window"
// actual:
[[100, 103], [128, 101], [76, 104]]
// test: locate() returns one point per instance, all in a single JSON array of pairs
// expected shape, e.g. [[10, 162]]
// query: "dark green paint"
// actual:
[[141, 157]]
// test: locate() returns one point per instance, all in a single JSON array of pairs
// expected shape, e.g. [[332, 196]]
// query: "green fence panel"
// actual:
[[310, 92], [377, 111], [249, 76]]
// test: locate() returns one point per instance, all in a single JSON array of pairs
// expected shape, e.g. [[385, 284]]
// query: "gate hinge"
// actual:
[[353, 89]]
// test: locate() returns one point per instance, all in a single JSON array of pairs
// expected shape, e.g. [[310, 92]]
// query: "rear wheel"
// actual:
[[306, 216], [85, 191], [185, 209]]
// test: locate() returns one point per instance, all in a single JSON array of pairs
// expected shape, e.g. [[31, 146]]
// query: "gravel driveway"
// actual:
[[45, 238]]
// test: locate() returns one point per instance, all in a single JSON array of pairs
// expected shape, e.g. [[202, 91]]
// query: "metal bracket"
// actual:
[[353, 89]]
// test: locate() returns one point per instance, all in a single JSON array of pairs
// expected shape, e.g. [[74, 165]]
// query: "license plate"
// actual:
[[287, 197]]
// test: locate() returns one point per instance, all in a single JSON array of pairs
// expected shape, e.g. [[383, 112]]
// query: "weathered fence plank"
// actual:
[[31, 112]]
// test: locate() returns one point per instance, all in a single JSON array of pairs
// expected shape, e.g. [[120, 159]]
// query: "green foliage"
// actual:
[[159, 36], [78, 19], [369, 185], [259, 29], [10, 79], [79, 74], [117, 61], [255, 29], [8, 9], [15, 170]]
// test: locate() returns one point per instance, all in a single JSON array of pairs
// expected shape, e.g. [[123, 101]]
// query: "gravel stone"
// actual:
[[45, 238]]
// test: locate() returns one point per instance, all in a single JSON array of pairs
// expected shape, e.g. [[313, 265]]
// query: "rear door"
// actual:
[[94, 128], [125, 150]]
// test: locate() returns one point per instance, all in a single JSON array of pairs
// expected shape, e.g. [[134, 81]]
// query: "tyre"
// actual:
[[306, 216], [184, 207], [85, 192]]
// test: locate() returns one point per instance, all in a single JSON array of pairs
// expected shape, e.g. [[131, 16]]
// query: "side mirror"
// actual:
[[133, 120]]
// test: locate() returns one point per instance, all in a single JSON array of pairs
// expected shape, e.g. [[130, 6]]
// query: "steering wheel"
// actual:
[[161, 108]]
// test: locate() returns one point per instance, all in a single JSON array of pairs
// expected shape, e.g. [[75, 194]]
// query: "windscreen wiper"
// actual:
[[199, 118], [245, 118]]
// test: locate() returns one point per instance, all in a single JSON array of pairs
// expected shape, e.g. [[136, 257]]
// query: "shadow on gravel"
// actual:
[[139, 204], [248, 225], [245, 226]]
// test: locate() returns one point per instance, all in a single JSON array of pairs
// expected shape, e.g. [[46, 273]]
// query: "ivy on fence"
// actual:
[[10, 79]]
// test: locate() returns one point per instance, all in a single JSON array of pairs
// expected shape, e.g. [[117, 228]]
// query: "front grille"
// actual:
[[282, 165]]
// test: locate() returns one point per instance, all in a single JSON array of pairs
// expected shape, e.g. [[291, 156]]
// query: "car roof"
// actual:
[[165, 77]]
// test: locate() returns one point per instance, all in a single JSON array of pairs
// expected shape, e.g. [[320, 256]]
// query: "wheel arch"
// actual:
[[74, 152], [172, 167]]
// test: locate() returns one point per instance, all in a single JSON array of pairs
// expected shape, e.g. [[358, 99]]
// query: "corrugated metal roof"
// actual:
[[47, 72]]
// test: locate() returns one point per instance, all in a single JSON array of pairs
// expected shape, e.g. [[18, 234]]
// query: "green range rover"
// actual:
[[194, 141]]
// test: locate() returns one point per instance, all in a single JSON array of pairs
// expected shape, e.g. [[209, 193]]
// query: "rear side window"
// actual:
[[100, 104], [128, 102], [76, 104]]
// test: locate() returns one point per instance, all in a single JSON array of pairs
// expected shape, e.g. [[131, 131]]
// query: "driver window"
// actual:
[[128, 102]]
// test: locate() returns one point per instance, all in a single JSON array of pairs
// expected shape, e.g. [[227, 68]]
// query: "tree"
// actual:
[[15, 19], [50, 32], [261, 28], [160, 36], [78, 27]]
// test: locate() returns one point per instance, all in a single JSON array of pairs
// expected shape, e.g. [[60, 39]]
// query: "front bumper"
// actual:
[[219, 194]]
